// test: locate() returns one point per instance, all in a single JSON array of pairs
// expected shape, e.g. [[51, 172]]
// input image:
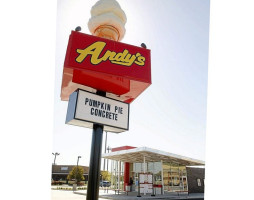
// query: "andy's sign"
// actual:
[[86, 52], [120, 58]]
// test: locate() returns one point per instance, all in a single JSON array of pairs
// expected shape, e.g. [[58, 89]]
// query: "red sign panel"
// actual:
[[120, 69]]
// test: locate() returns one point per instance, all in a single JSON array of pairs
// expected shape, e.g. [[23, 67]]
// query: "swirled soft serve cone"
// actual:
[[107, 20]]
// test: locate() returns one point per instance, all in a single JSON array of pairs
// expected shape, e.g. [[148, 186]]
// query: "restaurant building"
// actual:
[[150, 170], [60, 172]]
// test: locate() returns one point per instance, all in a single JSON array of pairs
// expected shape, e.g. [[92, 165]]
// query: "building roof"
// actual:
[[65, 169], [151, 155]]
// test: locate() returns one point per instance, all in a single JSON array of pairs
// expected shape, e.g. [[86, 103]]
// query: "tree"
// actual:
[[76, 174], [105, 175]]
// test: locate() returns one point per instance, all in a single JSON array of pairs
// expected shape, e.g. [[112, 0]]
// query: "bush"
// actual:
[[56, 183], [76, 173], [80, 184], [81, 188]]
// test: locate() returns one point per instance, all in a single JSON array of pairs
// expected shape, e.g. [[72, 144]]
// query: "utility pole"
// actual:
[[55, 154], [77, 169], [109, 148]]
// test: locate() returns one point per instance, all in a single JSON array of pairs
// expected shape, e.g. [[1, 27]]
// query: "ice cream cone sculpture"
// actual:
[[107, 20]]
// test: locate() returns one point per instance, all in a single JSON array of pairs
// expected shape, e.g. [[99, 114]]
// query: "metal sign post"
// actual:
[[95, 160], [99, 61]]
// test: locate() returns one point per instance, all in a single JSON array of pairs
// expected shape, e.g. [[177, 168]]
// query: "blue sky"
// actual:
[[171, 114]]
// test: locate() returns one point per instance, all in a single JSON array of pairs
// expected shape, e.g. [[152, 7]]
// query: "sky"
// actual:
[[170, 115]]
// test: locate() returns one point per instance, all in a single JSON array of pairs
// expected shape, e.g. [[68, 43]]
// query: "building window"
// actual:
[[64, 168], [199, 182]]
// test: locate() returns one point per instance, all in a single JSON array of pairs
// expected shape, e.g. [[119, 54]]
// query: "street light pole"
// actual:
[[77, 169], [55, 154], [109, 148]]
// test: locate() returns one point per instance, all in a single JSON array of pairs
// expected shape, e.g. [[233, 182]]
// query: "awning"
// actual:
[[137, 155]]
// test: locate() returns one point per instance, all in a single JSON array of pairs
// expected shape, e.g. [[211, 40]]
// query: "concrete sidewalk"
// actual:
[[67, 195], [110, 194], [133, 195]]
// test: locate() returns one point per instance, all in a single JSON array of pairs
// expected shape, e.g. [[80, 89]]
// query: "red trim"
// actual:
[[122, 148], [126, 174]]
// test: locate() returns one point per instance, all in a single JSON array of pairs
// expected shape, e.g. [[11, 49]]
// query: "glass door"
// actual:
[[184, 183]]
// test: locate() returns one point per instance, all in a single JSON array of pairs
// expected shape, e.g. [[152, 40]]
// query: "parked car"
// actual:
[[105, 184]]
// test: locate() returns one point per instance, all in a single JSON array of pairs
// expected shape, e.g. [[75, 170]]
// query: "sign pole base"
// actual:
[[95, 163], [95, 160]]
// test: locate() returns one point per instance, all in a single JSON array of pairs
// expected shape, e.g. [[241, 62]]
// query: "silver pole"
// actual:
[[77, 169], [162, 182], [105, 150], [55, 154], [119, 174]]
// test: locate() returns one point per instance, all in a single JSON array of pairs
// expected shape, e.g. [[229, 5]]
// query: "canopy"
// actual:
[[137, 155]]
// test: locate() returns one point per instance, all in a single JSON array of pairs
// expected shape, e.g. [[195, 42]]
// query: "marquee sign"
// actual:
[[86, 108], [120, 58], [117, 68], [107, 56]]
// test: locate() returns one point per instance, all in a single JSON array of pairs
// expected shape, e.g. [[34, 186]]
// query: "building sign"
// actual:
[[107, 56], [121, 70], [119, 58], [146, 183], [86, 108], [146, 188]]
